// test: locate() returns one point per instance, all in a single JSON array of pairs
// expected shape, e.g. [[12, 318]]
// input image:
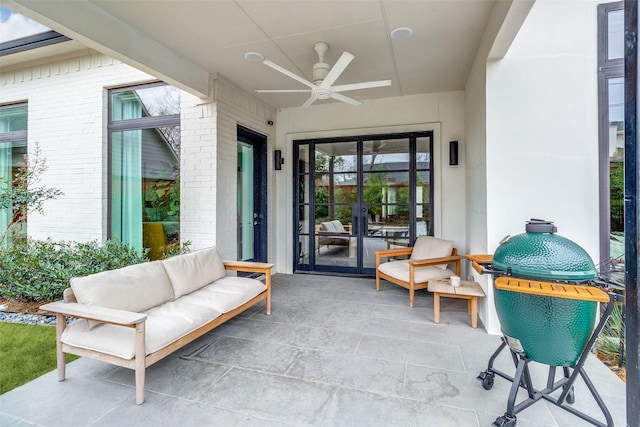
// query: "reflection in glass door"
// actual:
[[358, 195]]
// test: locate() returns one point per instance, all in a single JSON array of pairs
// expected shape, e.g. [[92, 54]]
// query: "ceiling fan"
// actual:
[[323, 79]]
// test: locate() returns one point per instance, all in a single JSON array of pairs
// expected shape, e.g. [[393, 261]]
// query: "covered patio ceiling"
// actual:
[[187, 42]]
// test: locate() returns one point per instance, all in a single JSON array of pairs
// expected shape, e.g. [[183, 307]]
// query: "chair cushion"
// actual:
[[133, 288], [192, 271], [427, 247], [164, 325], [226, 294], [400, 270]]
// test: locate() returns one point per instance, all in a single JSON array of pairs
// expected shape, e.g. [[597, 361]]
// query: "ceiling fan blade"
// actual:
[[288, 73], [346, 99], [308, 102], [337, 69], [283, 90], [364, 85]]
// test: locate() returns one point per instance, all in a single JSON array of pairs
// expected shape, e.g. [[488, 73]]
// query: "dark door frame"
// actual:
[[361, 271], [259, 143]]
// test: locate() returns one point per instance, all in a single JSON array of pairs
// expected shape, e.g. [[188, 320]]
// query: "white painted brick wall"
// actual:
[[235, 106], [67, 118], [197, 172], [67, 101]]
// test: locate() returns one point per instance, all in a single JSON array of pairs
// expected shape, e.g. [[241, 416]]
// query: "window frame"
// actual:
[[16, 134], [151, 122], [607, 69]]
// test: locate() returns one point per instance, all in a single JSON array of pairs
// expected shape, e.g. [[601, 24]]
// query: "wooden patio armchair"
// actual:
[[429, 259]]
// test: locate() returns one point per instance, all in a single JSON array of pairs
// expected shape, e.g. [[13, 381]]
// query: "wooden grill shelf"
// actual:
[[557, 290]]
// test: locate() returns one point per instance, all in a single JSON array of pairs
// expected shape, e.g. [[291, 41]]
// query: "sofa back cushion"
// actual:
[[192, 271], [427, 247], [334, 226], [326, 226], [338, 227], [133, 288]]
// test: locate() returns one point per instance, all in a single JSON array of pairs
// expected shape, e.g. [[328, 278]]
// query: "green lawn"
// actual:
[[26, 352]]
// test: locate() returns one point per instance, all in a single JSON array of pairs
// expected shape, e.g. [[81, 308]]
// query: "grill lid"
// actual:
[[542, 254]]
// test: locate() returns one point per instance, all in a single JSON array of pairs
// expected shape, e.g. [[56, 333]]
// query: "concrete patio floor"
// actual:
[[334, 352]]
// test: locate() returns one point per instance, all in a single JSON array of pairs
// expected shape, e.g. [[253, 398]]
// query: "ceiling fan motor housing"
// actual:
[[320, 71]]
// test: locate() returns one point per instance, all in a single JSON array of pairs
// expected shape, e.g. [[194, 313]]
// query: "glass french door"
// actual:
[[357, 195], [252, 196]]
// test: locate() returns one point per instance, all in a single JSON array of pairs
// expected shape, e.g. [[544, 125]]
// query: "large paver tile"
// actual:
[[378, 376], [261, 356], [286, 400], [430, 354], [354, 408], [317, 338], [174, 376], [77, 401]]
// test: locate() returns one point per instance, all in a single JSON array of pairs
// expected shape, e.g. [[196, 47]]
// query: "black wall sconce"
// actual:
[[453, 153], [278, 161]]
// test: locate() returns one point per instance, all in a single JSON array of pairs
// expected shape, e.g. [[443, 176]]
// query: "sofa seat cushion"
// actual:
[[400, 270], [227, 293], [192, 271], [133, 288], [164, 325]]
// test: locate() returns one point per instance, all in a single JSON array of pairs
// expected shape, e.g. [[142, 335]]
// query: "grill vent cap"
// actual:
[[540, 226]]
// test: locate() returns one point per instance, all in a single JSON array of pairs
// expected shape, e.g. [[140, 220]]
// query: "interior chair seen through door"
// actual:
[[429, 259]]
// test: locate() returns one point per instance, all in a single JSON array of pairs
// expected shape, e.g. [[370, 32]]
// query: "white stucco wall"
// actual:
[[541, 127], [441, 112], [476, 181]]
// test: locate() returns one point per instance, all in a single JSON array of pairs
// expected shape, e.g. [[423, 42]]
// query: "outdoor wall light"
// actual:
[[278, 160], [453, 153]]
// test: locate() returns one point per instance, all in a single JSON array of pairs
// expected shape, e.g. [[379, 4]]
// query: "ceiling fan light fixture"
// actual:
[[320, 93], [254, 57], [401, 33]]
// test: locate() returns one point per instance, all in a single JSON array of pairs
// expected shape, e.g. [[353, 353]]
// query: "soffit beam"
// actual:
[[95, 28]]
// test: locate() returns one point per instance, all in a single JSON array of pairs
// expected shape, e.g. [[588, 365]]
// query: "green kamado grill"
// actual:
[[546, 293]]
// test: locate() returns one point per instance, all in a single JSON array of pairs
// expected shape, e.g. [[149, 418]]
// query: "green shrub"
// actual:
[[609, 341], [39, 270]]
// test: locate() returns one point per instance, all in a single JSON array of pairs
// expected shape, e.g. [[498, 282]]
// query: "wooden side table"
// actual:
[[467, 290]]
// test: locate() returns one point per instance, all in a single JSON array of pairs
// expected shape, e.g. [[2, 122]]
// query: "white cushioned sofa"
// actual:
[[137, 315]]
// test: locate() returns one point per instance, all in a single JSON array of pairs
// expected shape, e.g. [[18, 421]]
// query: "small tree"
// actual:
[[21, 194]]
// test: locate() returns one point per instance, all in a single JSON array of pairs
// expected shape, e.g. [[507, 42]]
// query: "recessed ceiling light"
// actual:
[[253, 57], [401, 33]]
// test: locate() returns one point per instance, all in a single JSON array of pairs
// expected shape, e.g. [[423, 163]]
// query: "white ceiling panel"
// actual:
[[215, 34]]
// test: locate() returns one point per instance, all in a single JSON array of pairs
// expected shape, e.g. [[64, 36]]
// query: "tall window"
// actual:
[[144, 154], [611, 135], [13, 150]]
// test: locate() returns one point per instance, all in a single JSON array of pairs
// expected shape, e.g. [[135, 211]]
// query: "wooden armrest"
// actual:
[[393, 252], [248, 266], [99, 314], [436, 261], [388, 253]]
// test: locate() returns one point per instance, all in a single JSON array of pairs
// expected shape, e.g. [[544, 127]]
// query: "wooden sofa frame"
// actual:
[[70, 308]]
